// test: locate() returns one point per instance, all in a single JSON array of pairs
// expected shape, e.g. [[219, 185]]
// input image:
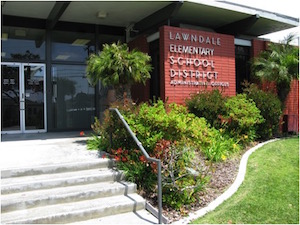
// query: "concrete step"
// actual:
[[77, 211], [138, 217], [38, 198], [70, 192], [57, 168], [46, 181]]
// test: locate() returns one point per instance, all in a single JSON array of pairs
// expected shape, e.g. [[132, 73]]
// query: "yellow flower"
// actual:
[[223, 157]]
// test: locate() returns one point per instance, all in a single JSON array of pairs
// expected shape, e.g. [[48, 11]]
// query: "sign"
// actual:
[[194, 60]]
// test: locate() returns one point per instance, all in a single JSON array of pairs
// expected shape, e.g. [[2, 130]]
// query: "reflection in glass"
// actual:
[[34, 97], [73, 98], [22, 43], [71, 46], [10, 103]]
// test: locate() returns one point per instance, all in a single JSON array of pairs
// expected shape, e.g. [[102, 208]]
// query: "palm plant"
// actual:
[[279, 63], [119, 68]]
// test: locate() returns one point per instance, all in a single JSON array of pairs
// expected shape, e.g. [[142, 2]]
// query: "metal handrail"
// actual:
[[157, 161]]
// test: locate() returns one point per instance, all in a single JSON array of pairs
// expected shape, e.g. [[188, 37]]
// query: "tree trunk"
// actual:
[[123, 92], [119, 93]]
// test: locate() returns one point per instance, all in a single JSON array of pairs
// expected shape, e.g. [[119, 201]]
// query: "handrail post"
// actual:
[[157, 161], [159, 192]]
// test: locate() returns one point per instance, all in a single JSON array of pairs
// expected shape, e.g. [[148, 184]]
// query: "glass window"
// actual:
[[73, 98], [72, 46], [22, 44], [109, 39]]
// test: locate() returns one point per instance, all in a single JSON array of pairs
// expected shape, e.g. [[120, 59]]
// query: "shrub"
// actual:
[[135, 168], [152, 123], [168, 132], [237, 116], [221, 148], [243, 118], [182, 178], [270, 109], [118, 67], [207, 104]]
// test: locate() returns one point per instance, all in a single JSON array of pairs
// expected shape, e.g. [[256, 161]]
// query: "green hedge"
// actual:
[[270, 109]]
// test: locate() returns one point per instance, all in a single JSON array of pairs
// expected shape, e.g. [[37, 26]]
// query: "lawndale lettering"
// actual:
[[194, 38], [193, 64]]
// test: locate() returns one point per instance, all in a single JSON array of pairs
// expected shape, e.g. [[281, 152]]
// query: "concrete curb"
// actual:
[[229, 192]]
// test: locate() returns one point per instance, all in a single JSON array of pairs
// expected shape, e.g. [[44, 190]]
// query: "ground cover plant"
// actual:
[[270, 191]]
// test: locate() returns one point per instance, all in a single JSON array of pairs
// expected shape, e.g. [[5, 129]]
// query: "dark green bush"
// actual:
[[207, 104], [270, 109], [242, 118], [237, 116]]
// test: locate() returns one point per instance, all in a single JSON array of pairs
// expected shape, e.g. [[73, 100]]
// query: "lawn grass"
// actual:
[[270, 191]]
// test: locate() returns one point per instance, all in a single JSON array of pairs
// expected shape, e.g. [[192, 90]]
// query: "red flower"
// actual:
[[117, 158], [104, 156], [154, 167], [119, 151], [142, 158], [81, 133], [124, 159]]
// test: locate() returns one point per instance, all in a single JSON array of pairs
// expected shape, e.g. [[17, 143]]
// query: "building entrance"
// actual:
[[23, 98]]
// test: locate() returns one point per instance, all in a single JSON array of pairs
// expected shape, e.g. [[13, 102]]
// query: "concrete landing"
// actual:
[[22, 150]]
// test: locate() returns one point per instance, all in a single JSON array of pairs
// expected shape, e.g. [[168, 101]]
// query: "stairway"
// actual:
[[82, 192]]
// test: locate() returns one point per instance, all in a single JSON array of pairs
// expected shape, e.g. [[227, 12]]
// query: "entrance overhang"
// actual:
[[216, 15]]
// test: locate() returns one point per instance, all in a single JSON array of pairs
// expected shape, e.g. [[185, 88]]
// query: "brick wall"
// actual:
[[258, 46], [140, 92], [215, 64], [292, 107], [292, 103]]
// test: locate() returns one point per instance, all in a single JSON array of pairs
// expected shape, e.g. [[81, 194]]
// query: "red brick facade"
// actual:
[[292, 107], [291, 111], [140, 92], [193, 60]]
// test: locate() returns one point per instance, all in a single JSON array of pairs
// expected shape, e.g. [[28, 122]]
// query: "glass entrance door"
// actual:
[[23, 98]]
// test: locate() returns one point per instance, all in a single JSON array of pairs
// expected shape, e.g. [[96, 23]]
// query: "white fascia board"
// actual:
[[249, 10]]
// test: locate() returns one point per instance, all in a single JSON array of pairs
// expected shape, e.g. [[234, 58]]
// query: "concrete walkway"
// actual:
[[28, 150], [47, 150]]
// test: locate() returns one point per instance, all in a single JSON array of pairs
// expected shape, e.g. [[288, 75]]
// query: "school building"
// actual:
[[194, 45]]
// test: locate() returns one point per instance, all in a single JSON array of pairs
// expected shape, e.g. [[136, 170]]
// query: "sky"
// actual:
[[285, 7]]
